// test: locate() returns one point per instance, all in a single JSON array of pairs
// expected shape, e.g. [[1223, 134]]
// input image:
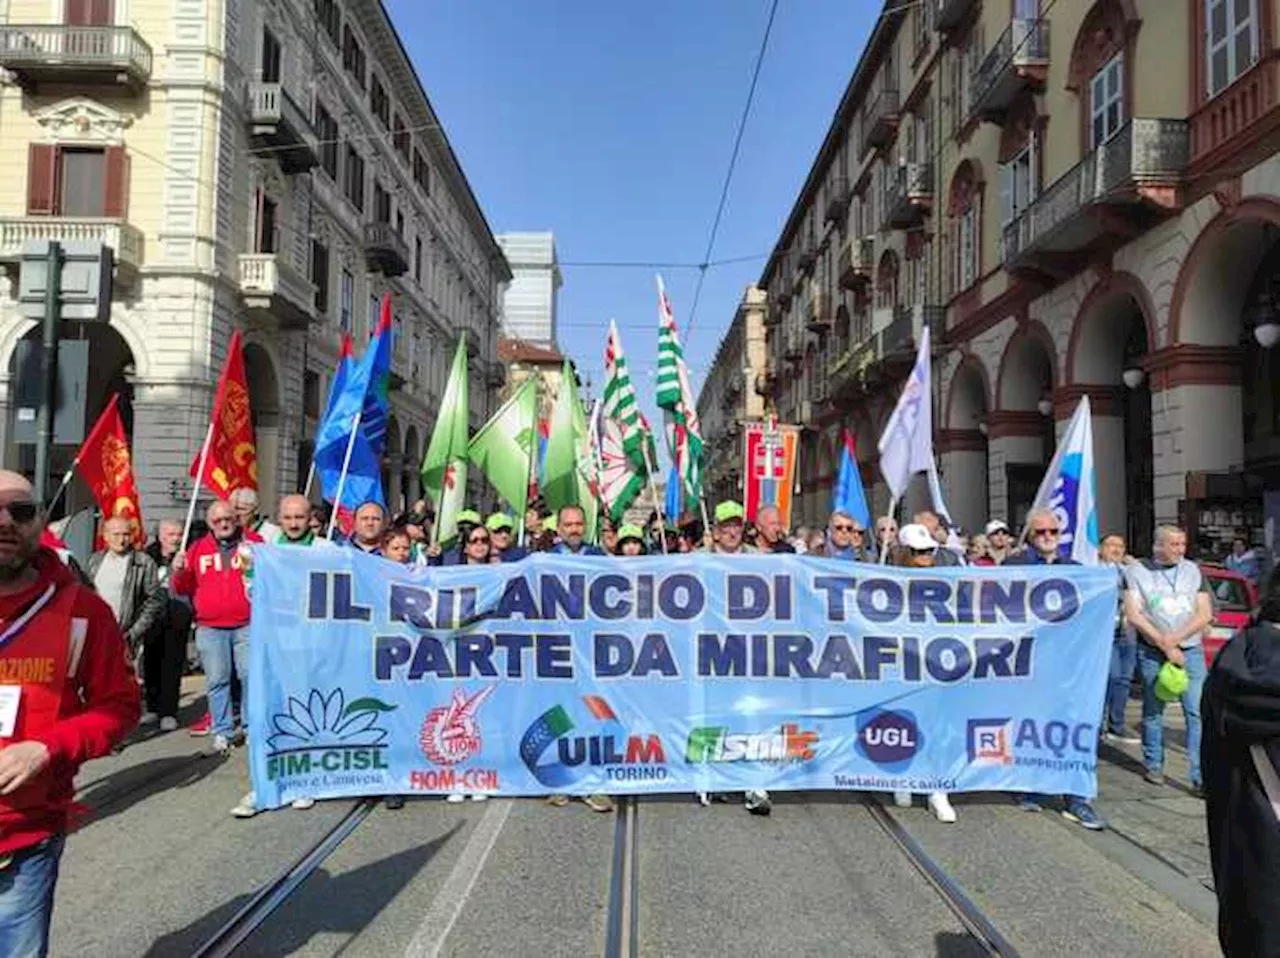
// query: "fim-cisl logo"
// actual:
[[328, 741]]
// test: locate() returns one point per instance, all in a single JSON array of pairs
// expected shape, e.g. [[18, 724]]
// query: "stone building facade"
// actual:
[[272, 166], [1077, 198]]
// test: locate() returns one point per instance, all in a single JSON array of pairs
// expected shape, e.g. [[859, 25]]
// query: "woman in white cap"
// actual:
[[917, 549], [1000, 539]]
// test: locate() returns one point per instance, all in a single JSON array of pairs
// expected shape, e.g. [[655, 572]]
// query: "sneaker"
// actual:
[[248, 806], [148, 718], [902, 799], [394, 802], [202, 726], [1082, 814], [757, 801], [455, 798], [480, 797], [558, 801], [707, 798], [1031, 802], [940, 805], [168, 724], [599, 803], [302, 804], [221, 744], [1153, 778], [1122, 736]]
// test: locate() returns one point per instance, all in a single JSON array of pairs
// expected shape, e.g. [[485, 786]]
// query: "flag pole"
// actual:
[[311, 475], [342, 476], [62, 487], [653, 491], [195, 487]]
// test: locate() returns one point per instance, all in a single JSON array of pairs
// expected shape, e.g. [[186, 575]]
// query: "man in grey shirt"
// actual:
[[128, 581], [1167, 602]]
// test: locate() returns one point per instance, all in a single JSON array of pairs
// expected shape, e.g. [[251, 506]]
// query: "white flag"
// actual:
[[1070, 489], [907, 444]]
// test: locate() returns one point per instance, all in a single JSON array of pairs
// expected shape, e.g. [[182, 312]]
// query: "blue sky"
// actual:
[[611, 123]]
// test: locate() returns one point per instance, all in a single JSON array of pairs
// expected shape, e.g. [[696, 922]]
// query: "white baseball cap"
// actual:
[[996, 525], [915, 536]]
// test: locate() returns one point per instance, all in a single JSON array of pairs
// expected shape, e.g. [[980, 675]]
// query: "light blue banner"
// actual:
[[696, 673]]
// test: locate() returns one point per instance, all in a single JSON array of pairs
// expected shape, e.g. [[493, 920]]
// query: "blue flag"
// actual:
[[671, 504], [1070, 489], [377, 403], [363, 481], [848, 495]]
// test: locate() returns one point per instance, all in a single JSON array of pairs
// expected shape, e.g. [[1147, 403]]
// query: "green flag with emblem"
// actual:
[[504, 447]]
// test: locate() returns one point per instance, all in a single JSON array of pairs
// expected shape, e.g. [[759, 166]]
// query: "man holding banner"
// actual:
[[1043, 533]]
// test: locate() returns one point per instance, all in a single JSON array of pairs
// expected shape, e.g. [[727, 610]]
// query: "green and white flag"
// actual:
[[444, 467], [675, 398], [620, 397], [569, 466], [504, 447]]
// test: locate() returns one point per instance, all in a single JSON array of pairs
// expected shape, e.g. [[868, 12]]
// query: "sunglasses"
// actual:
[[21, 511], [922, 552], [484, 540], [843, 528], [1044, 532]]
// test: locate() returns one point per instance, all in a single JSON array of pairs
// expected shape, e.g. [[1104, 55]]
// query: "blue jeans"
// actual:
[[1124, 659], [219, 650], [26, 899], [1149, 661]]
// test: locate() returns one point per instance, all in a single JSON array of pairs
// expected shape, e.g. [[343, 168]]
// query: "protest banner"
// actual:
[[666, 674]]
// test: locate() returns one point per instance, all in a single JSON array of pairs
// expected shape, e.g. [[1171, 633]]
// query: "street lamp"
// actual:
[[1045, 406], [1133, 377], [1267, 332]]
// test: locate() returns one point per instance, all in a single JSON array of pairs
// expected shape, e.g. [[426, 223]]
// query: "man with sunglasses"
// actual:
[[502, 530], [1044, 535], [211, 574], [845, 537], [66, 696]]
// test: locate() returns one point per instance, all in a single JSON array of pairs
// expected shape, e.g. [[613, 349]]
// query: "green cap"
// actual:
[[471, 516], [729, 510], [1172, 680], [549, 524], [499, 521], [630, 532]]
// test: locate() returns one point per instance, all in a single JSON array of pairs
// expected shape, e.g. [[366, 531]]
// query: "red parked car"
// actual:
[[1234, 600]]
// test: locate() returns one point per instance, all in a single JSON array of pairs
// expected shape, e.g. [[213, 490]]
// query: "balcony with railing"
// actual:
[[1114, 193], [953, 13], [1240, 113], [909, 196], [125, 240], [856, 264], [881, 122], [793, 346], [384, 250], [278, 124], [1018, 61], [274, 292], [85, 55], [839, 195], [820, 314]]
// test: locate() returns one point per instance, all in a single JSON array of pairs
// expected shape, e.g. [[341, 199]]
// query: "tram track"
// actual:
[[268, 898], [957, 900]]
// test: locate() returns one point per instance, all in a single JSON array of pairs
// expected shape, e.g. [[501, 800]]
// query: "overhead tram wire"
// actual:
[[728, 176]]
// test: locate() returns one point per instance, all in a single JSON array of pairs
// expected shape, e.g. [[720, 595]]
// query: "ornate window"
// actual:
[[887, 280], [965, 210], [1231, 41], [1106, 101], [1099, 74]]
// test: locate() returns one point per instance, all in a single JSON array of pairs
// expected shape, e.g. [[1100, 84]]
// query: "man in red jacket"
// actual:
[[211, 574], [66, 696]]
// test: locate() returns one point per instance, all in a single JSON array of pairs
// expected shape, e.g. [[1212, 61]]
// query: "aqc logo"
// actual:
[[890, 739]]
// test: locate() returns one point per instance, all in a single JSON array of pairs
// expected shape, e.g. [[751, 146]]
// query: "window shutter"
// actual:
[[42, 179], [116, 202]]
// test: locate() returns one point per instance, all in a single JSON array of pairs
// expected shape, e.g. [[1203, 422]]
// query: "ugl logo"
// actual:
[[890, 739]]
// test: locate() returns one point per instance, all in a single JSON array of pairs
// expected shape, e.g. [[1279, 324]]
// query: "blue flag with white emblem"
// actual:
[[1070, 489]]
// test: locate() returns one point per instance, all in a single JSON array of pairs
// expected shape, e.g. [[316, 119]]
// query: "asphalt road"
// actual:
[[162, 866]]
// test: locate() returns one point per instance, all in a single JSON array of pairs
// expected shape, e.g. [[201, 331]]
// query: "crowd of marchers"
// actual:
[[97, 651]]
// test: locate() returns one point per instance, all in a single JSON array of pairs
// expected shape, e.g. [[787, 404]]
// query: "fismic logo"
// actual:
[[990, 741], [718, 744], [333, 742], [890, 739], [622, 756], [450, 737]]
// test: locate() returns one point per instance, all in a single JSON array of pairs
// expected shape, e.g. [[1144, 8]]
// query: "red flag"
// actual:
[[232, 460], [107, 468]]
